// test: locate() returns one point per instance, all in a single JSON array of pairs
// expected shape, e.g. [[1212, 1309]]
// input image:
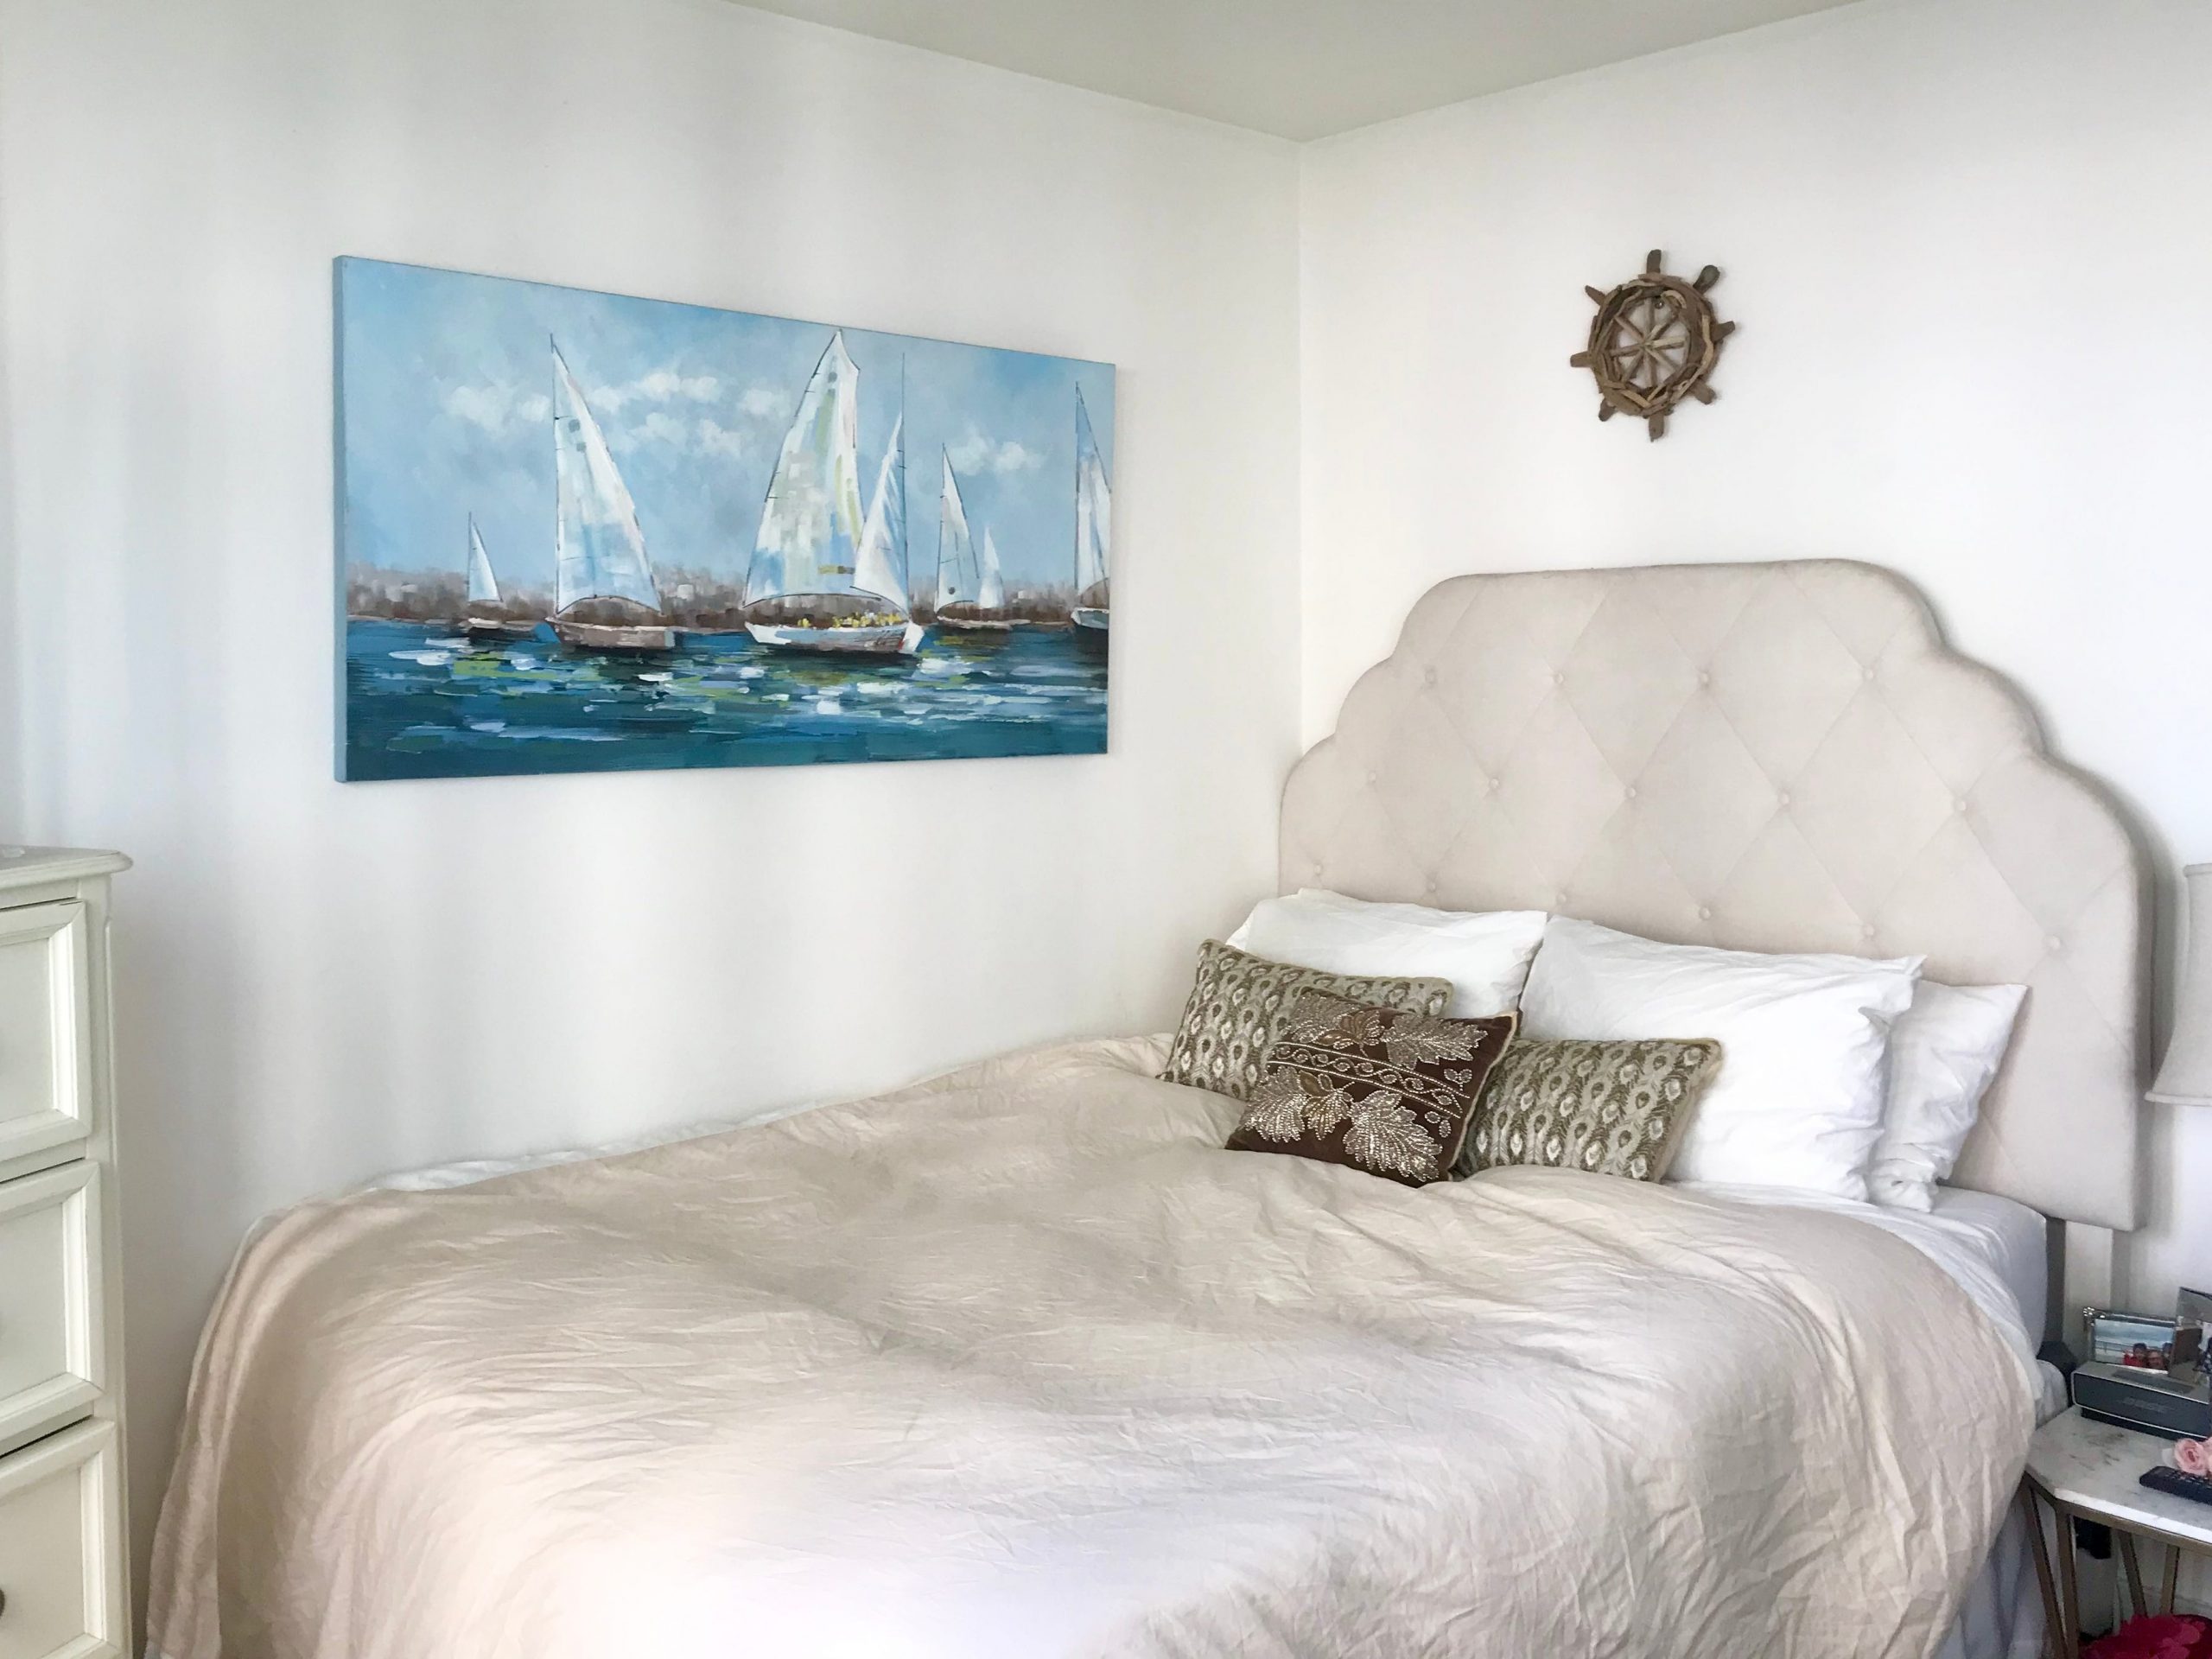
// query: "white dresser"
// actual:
[[64, 1566]]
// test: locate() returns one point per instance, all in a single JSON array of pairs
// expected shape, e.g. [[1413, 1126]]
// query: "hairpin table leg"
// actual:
[[2041, 1551], [2136, 1598], [2070, 1592]]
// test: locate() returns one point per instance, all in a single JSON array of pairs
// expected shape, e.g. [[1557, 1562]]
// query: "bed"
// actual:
[[1019, 1361]]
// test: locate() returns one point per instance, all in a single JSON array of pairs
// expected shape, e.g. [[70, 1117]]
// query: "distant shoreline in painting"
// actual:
[[579, 532]]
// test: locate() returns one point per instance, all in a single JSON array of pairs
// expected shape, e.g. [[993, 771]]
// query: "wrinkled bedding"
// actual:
[[1018, 1365]]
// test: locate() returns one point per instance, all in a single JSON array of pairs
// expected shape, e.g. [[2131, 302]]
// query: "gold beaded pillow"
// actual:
[[1386, 1090], [1606, 1108], [1239, 1003]]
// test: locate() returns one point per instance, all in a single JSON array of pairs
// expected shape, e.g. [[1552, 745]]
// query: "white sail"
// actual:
[[880, 566], [1094, 511], [958, 579], [990, 593], [483, 586], [599, 552], [810, 526]]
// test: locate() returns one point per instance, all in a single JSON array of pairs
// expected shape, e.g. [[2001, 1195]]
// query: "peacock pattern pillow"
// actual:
[[1239, 1004], [1604, 1108]]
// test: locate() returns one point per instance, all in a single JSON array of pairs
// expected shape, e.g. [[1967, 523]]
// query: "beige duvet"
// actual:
[[1018, 1365]]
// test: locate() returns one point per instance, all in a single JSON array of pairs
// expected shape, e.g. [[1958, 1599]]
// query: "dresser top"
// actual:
[[22, 866]]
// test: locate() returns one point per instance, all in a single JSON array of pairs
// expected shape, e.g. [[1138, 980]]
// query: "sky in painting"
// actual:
[[445, 387]]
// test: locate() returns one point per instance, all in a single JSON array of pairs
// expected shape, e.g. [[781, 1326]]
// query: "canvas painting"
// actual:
[[578, 532]]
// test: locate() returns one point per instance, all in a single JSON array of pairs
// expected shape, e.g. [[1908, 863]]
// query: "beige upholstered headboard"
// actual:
[[1773, 756]]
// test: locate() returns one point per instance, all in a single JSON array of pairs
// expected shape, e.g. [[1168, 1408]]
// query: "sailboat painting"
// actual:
[[578, 532]]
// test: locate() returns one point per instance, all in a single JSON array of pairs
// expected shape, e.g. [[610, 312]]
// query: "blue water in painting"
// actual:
[[422, 702]]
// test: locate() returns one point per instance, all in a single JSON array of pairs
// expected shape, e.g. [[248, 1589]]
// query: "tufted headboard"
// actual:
[[1772, 756]]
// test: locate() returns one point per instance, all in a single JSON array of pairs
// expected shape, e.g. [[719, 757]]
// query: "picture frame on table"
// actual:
[[2139, 1341]]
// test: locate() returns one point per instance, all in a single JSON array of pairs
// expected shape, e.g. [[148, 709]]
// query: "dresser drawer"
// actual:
[[52, 1364], [46, 1058], [59, 1504]]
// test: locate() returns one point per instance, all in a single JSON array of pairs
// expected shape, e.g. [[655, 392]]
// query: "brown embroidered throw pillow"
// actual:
[[1386, 1090], [1610, 1108], [1239, 1003]]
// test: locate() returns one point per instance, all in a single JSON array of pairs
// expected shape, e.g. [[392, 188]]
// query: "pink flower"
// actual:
[[2193, 1457], [2162, 1637]]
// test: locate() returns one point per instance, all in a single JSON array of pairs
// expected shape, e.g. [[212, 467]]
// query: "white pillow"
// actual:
[[1804, 1044], [1484, 954], [1943, 1056]]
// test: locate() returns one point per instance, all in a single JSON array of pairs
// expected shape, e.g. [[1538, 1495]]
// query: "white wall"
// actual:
[[1965, 241], [1963, 237], [320, 981]]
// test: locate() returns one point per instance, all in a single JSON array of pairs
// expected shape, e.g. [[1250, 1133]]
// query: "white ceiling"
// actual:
[[1298, 68]]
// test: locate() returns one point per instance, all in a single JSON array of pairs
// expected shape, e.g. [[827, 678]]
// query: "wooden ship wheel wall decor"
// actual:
[[1652, 343]]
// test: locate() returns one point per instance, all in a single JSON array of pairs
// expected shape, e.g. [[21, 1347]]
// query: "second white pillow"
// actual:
[[1943, 1056], [1804, 1039], [1485, 954]]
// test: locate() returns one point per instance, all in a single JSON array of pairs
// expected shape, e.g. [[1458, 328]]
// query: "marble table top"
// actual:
[[2096, 1469]]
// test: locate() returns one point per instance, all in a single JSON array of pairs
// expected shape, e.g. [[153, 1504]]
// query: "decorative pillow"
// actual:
[[1382, 1090], [1485, 954], [1608, 1109], [1798, 1101], [1943, 1055], [1240, 1002]]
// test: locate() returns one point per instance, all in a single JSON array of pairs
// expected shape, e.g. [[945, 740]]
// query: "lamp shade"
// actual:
[[2185, 1079]]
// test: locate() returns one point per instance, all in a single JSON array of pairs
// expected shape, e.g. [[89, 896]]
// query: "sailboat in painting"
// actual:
[[824, 577], [1094, 536], [483, 619], [605, 598], [970, 591]]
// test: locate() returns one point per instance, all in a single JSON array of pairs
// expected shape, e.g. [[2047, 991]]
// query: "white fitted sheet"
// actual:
[[2016, 1240]]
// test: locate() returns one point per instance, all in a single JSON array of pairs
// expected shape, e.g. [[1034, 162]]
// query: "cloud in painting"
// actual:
[[684, 436], [977, 454], [762, 403], [495, 407], [661, 386], [715, 439]]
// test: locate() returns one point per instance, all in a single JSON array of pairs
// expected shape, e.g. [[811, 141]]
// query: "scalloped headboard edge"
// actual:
[[1774, 756]]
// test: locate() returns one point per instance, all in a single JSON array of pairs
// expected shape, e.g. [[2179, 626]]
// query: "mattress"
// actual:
[[2013, 1240]]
